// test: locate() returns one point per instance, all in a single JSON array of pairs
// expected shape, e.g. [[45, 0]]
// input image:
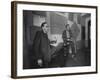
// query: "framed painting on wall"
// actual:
[[50, 39]]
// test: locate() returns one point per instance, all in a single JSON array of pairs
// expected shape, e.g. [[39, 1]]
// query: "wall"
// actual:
[[5, 41], [59, 20], [57, 23]]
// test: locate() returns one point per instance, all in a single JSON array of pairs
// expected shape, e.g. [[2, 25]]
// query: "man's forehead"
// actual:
[[46, 25]]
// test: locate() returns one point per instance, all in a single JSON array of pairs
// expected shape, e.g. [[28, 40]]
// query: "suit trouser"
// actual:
[[66, 52]]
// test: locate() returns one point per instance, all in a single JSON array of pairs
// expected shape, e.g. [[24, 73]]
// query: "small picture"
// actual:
[[53, 39]]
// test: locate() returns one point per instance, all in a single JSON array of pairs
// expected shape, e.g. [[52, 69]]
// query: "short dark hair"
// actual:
[[42, 25], [66, 25]]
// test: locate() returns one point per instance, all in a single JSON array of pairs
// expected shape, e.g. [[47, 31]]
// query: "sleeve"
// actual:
[[36, 45], [63, 36], [71, 34]]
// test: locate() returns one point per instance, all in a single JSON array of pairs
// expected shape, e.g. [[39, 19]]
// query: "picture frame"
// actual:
[[26, 19]]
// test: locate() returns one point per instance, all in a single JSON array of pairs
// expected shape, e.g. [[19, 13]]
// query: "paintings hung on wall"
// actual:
[[53, 39]]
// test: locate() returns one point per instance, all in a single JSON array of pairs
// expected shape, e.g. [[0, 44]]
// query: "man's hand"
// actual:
[[40, 62]]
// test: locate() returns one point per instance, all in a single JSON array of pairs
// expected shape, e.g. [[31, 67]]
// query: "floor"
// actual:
[[82, 58]]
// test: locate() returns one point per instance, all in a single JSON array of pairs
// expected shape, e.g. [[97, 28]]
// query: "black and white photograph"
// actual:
[[53, 39], [56, 39]]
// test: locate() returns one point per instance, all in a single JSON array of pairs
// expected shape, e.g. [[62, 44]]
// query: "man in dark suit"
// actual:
[[41, 47]]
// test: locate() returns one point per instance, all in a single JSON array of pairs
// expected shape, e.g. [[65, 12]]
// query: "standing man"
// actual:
[[67, 43], [41, 46]]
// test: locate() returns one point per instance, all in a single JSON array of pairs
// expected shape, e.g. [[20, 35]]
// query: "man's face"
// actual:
[[45, 28], [67, 27]]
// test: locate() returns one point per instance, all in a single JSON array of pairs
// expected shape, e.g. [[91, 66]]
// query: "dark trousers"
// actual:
[[66, 52], [69, 45], [45, 64]]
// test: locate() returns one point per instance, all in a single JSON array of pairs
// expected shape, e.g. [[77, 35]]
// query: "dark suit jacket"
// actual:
[[41, 46]]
